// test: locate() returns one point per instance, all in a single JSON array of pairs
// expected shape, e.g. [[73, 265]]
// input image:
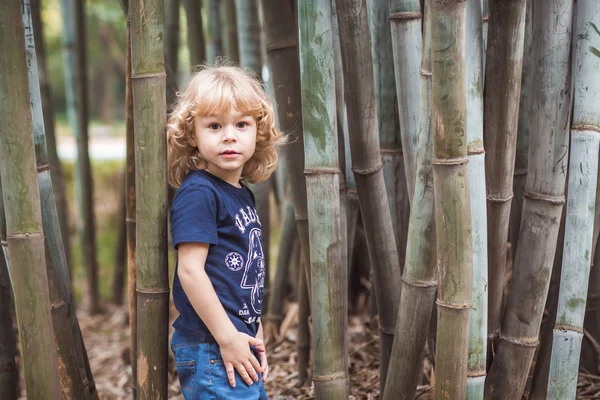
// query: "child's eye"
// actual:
[[214, 126], [242, 125]]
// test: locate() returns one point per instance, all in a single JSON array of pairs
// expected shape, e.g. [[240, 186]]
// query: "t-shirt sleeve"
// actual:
[[194, 216]]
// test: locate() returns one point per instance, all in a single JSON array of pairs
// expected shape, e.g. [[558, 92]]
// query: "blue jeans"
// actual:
[[202, 374]]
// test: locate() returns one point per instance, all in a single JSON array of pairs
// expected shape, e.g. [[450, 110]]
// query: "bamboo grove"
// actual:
[[457, 141]]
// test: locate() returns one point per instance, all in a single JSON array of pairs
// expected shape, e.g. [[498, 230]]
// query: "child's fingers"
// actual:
[[251, 371], [266, 373], [257, 343], [244, 374], [254, 362], [230, 374]]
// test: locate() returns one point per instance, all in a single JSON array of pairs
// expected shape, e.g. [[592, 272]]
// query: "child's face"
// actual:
[[226, 142]]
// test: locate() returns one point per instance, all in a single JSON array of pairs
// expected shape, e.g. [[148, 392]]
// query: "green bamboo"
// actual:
[[367, 168], [120, 256], [520, 174], [48, 109], [230, 35], [214, 40], [74, 381], [152, 280], [405, 17], [195, 32], [452, 205], [579, 225], [328, 277], [76, 95], [479, 313], [419, 276], [130, 211], [303, 340], [9, 374], [21, 198], [501, 108], [172, 49], [388, 123], [543, 199]]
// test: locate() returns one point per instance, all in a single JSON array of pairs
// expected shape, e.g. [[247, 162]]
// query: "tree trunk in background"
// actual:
[[171, 49], [501, 108], [303, 341], [76, 94], [121, 248], [130, 217], [520, 174], [579, 225], [214, 42], [452, 205], [48, 109], [388, 123], [419, 276], [9, 375], [152, 286], [21, 198], [328, 275], [405, 17], [479, 312], [367, 168], [230, 34], [543, 199], [73, 377], [195, 32]]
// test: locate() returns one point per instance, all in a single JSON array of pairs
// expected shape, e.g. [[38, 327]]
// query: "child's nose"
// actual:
[[229, 133]]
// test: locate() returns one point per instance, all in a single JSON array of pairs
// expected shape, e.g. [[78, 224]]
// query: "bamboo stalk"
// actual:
[[230, 35], [328, 277], [579, 224], [304, 338], [452, 205], [121, 247], [152, 280], [195, 32], [388, 123], [367, 168], [405, 19], [476, 370], [172, 49], [501, 107], [543, 199], [419, 277], [21, 197], [214, 42]]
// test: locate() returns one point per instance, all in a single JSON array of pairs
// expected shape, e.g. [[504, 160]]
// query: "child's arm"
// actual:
[[235, 346], [264, 365]]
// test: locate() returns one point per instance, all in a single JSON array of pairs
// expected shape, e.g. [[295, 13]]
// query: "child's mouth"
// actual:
[[229, 153]]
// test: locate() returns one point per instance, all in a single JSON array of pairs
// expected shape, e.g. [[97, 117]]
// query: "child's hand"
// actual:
[[264, 365], [237, 355]]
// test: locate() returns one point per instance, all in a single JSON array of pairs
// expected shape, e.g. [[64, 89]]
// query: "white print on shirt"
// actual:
[[244, 310], [234, 261], [254, 274], [252, 319], [243, 218]]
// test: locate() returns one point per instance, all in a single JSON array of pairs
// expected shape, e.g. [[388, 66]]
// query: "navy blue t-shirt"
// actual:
[[206, 209]]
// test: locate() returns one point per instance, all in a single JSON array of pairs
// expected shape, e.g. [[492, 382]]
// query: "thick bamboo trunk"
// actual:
[[367, 168], [130, 212], [579, 224], [152, 286], [214, 42], [520, 174], [9, 374], [195, 32], [328, 277], [21, 198], [388, 123], [419, 277], [405, 19], [543, 199], [230, 35], [501, 109], [478, 322], [303, 341], [451, 188], [74, 383], [48, 109], [172, 49]]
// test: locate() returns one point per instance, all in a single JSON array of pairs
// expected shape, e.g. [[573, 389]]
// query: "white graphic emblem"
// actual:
[[234, 261], [254, 274]]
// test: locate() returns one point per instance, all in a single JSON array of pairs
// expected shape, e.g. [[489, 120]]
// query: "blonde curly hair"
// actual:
[[214, 90]]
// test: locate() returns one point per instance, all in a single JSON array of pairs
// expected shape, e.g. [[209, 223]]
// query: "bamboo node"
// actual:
[[23, 235], [406, 15], [523, 342], [286, 44], [476, 374], [450, 161], [544, 197], [419, 283], [152, 291], [560, 327], [520, 172], [149, 75], [321, 170], [382, 150], [423, 72], [493, 199], [585, 127], [454, 306], [475, 150], [329, 377], [59, 304], [368, 171], [43, 167]]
